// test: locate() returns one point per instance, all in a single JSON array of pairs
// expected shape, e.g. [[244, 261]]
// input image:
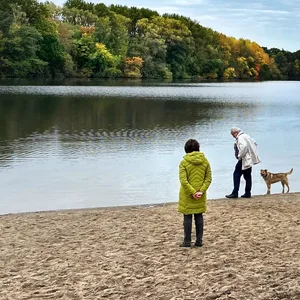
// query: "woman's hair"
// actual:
[[191, 145]]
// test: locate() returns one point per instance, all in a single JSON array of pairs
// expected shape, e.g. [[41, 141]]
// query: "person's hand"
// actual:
[[197, 195]]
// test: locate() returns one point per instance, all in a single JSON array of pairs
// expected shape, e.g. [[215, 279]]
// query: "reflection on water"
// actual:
[[86, 146]]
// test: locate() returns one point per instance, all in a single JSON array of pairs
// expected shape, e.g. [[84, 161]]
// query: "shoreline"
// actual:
[[149, 205], [251, 251]]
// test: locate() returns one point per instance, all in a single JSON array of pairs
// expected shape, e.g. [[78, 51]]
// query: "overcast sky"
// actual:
[[270, 23]]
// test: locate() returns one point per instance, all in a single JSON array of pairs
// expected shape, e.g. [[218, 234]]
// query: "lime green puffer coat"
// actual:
[[194, 176]]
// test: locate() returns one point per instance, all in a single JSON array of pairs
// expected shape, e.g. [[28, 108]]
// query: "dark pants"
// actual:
[[187, 224], [238, 172]]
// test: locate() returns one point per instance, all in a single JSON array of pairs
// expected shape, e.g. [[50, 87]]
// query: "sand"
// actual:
[[251, 251]]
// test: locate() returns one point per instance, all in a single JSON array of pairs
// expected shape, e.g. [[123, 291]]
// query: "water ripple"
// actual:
[[241, 93]]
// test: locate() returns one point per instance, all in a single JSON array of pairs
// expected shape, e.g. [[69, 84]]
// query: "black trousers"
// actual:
[[238, 172], [187, 224]]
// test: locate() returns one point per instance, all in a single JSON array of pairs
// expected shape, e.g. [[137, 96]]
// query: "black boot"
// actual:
[[232, 196], [187, 224], [246, 196], [199, 229]]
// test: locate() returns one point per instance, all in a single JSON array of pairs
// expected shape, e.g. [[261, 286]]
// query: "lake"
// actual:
[[83, 144]]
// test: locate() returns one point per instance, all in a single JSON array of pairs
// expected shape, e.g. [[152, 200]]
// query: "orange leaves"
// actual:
[[134, 61], [86, 30], [132, 67]]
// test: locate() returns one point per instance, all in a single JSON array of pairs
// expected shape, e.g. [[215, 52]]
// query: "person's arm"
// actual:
[[184, 181], [207, 180]]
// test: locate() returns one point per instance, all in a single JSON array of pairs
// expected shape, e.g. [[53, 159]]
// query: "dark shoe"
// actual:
[[231, 196], [198, 245], [246, 196], [185, 245]]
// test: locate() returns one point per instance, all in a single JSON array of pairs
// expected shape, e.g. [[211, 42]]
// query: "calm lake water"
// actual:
[[92, 144]]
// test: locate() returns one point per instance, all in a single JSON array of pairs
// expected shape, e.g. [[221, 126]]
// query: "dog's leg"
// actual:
[[269, 188], [287, 184], [282, 182]]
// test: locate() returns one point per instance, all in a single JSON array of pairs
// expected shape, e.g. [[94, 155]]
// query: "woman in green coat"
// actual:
[[195, 178]]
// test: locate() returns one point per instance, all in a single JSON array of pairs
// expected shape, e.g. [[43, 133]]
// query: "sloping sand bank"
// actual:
[[251, 251]]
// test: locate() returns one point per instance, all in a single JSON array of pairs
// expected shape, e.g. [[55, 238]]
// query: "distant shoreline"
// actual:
[[158, 80], [144, 206]]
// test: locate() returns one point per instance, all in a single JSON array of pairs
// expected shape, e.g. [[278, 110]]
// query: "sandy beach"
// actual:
[[251, 251]]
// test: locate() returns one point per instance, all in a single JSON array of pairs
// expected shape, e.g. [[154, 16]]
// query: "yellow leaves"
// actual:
[[100, 46], [241, 60], [101, 50], [252, 72], [229, 73]]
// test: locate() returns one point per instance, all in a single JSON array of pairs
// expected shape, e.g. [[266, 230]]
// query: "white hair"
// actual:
[[235, 129]]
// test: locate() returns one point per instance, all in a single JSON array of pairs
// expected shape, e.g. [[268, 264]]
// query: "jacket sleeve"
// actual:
[[242, 146], [207, 180], [184, 181]]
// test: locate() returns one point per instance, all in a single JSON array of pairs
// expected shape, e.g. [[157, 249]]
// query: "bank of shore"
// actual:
[[251, 251]]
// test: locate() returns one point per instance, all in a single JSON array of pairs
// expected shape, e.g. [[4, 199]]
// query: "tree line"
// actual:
[[82, 39]]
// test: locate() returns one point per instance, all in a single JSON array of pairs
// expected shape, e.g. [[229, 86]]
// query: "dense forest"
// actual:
[[84, 39]]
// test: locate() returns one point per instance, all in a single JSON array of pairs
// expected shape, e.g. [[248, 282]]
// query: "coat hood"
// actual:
[[195, 158]]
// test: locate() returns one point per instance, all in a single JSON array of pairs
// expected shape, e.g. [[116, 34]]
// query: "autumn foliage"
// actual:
[[84, 39], [132, 66]]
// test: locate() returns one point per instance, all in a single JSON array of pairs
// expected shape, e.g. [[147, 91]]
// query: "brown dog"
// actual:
[[275, 177]]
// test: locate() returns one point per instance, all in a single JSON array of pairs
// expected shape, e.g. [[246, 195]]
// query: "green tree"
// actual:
[[18, 56], [103, 30], [81, 52], [282, 62], [33, 9], [50, 49], [101, 60], [79, 4], [6, 20], [118, 39], [149, 45], [77, 16], [213, 68], [178, 40], [101, 10], [134, 14]]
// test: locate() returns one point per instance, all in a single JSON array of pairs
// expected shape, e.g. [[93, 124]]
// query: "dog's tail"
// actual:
[[290, 172]]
